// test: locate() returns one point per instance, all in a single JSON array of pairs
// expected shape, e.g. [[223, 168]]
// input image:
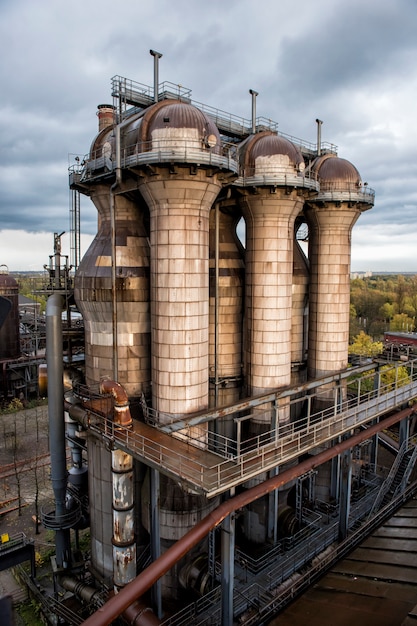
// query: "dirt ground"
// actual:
[[25, 475], [24, 479]]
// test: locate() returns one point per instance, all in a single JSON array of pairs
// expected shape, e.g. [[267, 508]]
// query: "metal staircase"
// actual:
[[398, 476]]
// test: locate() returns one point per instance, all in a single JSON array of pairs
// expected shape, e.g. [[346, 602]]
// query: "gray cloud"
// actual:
[[351, 64]]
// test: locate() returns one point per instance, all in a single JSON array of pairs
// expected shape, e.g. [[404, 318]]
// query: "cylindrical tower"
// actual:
[[272, 197], [180, 164], [226, 305], [179, 194], [331, 215], [126, 308], [106, 116], [272, 190], [9, 332]]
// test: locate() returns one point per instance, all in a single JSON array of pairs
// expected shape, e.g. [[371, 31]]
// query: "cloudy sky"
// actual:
[[351, 64]]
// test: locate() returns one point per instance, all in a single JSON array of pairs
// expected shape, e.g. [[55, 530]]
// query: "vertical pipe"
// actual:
[[113, 253], [228, 567], [123, 539], [253, 94], [216, 308], [124, 546], [54, 361], [319, 123], [156, 57], [404, 431], [113, 282], [273, 510], [155, 535], [345, 488]]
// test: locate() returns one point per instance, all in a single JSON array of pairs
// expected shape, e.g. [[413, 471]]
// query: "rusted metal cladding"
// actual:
[[123, 528], [106, 116], [226, 347], [336, 174], [93, 294], [267, 154], [299, 320], [125, 564], [122, 490], [100, 497], [9, 332], [121, 461], [178, 126], [124, 545]]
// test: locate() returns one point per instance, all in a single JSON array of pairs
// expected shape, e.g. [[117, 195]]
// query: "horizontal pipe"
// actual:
[[139, 614], [80, 589], [144, 581]]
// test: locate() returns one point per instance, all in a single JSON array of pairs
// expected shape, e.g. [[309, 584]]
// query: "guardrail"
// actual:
[[210, 472], [14, 541]]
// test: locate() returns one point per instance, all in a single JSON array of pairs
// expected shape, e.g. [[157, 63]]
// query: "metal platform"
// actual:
[[375, 584], [180, 455]]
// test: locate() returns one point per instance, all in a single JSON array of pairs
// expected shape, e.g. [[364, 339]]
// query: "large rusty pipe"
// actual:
[[123, 540], [139, 614], [144, 581], [122, 414], [80, 589]]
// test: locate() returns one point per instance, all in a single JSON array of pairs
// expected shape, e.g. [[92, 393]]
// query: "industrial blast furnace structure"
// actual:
[[216, 385]]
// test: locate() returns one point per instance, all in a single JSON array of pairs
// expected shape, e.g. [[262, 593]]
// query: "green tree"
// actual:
[[363, 345], [401, 294], [402, 323], [391, 374], [387, 311]]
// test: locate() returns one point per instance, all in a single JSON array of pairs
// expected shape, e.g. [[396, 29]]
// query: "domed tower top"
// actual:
[[270, 159], [175, 132], [174, 124], [339, 180]]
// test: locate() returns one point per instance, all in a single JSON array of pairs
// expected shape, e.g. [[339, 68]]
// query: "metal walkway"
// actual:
[[181, 456], [16, 549]]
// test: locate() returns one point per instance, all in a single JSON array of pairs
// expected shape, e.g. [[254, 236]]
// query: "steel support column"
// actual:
[[404, 431], [335, 476], [154, 480], [228, 567], [345, 488]]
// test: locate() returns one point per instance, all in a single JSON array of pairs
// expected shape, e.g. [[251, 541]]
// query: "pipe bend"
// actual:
[[122, 414], [116, 390]]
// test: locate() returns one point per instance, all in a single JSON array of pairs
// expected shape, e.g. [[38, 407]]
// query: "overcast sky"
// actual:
[[352, 64]]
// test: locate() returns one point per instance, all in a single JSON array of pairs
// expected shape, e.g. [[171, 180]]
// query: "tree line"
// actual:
[[383, 302]]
